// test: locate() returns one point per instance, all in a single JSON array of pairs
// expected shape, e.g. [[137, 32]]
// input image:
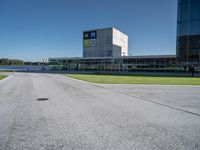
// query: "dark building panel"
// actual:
[[188, 31]]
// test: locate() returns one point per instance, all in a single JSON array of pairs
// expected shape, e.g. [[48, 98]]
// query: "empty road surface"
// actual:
[[80, 115]]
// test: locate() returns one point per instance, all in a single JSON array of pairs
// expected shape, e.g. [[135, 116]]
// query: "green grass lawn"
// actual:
[[127, 79], [2, 76]]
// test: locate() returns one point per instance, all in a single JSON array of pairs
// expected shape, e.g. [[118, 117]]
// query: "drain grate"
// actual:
[[43, 99]]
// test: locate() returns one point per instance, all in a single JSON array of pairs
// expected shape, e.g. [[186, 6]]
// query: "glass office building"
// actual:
[[188, 32]]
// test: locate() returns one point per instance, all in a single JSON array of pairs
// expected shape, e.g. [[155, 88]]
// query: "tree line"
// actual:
[[6, 61], [15, 62]]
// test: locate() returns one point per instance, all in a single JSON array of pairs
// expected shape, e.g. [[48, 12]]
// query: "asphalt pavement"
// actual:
[[79, 115]]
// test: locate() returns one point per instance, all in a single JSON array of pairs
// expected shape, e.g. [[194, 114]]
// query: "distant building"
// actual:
[[188, 32], [127, 63], [107, 42], [107, 49]]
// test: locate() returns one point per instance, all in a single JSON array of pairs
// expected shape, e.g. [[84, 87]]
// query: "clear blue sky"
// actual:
[[35, 29]]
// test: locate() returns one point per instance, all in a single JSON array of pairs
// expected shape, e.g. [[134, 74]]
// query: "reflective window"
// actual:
[[194, 27], [195, 10], [183, 29], [183, 12]]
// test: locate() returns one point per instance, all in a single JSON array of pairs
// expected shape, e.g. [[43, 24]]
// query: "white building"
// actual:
[[107, 42]]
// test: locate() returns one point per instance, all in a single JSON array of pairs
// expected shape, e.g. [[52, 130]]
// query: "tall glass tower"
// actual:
[[188, 32]]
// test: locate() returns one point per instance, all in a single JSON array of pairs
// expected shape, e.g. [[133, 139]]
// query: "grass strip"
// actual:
[[2, 77], [127, 79]]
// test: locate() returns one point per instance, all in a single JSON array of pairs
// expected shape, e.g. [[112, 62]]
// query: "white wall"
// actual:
[[121, 39], [110, 43]]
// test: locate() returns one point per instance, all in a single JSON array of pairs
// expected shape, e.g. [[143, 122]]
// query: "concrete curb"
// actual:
[[6, 78], [79, 80]]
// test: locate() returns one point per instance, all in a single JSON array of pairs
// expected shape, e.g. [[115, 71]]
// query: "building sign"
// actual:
[[90, 39]]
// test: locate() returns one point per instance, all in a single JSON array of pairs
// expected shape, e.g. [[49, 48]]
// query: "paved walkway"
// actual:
[[80, 115]]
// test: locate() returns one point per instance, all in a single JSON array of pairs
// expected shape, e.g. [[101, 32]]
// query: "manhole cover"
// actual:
[[43, 99]]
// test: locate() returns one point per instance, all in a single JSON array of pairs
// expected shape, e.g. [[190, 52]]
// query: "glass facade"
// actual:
[[188, 31], [130, 63]]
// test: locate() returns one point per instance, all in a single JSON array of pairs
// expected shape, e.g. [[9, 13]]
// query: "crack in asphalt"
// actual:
[[143, 99], [161, 104]]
